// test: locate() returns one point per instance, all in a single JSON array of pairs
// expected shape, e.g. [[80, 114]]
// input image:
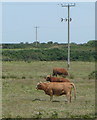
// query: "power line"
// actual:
[[68, 20]]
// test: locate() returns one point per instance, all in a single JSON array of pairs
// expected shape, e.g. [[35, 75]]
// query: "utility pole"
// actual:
[[36, 34], [69, 20]]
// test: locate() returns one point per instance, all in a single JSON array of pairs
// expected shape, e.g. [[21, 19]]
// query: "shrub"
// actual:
[[23, 77], [93, 75]]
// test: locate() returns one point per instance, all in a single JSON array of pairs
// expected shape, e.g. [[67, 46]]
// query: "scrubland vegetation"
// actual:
[[49, 52]]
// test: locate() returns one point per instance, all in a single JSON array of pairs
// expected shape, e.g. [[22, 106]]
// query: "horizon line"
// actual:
[[43, 42]]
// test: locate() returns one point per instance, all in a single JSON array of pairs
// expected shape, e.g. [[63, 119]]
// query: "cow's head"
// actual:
[[48, 78], [39, 86]]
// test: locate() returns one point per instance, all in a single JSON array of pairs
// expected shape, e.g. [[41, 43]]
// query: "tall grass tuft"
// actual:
[[71, 76], [93, 75], [54, 115]]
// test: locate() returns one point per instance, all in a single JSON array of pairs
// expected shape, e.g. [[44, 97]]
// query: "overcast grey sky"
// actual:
[[20, 18]]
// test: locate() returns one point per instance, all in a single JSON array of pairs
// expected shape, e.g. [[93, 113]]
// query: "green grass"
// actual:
[[22, 100]]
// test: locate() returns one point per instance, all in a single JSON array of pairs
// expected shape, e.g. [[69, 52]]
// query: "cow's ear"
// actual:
[[38, 83]]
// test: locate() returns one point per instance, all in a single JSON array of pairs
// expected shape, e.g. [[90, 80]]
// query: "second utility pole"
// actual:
[[69, 20], [36, 35]]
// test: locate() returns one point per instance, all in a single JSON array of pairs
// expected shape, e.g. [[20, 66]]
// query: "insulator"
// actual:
[[66, 19], [62, 19], [70, 19]]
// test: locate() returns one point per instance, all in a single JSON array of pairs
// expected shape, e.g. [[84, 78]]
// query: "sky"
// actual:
[[20, 18]]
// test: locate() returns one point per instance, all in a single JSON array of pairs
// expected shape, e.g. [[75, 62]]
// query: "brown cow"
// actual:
[[57, 88], [59, 71], [56, 79]]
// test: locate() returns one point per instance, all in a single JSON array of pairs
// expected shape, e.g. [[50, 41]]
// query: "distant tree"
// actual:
[[92, 43], [56, 43], [21, 43], [43, 43], [73, 43], [50, 42], [36, 42], [26, 42]]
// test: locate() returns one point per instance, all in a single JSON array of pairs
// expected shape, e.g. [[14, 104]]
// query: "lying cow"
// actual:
[[60, 71], [56, 79], [57, 88]]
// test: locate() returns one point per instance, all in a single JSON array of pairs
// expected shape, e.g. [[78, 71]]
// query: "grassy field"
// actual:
[[22, 100]]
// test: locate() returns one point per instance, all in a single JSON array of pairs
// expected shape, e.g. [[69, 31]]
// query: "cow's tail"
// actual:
[[74, 90]]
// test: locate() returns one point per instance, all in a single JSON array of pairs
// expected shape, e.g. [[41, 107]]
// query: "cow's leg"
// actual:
[[68, 97], [51, 95], [51, 98]]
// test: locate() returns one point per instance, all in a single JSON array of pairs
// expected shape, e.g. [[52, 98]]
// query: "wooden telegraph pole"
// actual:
[[36, 34], [68, 20]]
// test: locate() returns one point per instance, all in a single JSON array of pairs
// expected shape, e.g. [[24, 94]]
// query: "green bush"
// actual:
[[93, 75]]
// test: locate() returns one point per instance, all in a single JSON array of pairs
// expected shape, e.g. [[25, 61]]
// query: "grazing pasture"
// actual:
[[20, 99]]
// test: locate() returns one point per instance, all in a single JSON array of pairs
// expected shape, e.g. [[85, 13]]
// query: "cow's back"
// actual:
[[59, 88], [60, 71], [59, 79]]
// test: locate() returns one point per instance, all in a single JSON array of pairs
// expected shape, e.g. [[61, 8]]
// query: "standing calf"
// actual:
[[57, 88]]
